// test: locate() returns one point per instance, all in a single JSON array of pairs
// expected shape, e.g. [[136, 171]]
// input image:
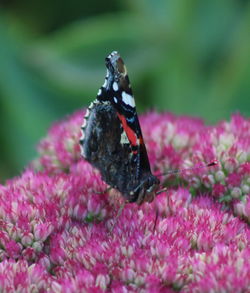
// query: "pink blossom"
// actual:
[[58, 225], [20, 277], [56, 153]]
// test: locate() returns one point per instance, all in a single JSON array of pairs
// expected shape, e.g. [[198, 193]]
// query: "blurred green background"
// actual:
[[187, 57]]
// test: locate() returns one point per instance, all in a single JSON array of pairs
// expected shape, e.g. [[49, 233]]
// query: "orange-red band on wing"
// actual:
[[130, 133]]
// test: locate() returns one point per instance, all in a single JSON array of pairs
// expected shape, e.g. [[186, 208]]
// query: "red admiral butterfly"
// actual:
[[112, 140]]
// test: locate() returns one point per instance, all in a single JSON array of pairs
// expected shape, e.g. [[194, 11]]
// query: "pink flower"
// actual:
[[13, 249], [57, 154], [20, 277], [56, 218], [218, 190]]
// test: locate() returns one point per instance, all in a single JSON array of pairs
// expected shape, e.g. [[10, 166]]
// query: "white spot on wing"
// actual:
[[91, 106], [86, 116], [84, 123], [87, 113], [128, 99], [124, 138], [82, 136], [99, 92], [115, 86], [105, 83], [115, 100], [112, 54]]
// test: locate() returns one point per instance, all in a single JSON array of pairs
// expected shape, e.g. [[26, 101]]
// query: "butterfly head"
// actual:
[[146, 190]]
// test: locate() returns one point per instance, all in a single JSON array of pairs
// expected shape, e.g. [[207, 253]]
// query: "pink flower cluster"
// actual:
[[56, 219], [174, 143]]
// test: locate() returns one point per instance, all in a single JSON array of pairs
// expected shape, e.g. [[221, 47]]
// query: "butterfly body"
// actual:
[[112, 140]]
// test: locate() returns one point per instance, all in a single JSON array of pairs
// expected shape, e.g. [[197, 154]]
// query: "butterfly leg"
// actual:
[[162, 190]]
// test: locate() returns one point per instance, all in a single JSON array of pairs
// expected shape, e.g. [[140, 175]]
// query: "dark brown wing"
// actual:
[[102, 147]]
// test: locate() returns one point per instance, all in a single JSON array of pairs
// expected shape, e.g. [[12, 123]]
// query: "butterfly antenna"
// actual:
[[215, 162]]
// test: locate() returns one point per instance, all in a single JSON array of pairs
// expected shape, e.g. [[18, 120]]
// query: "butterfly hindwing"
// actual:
[[112, 139], [110, 156]]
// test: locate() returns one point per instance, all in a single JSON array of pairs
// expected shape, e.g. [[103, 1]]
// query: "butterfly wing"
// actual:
[[117, 89], [102, 147], [112, 139]]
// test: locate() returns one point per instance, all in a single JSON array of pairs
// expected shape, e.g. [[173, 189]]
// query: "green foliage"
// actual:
[[187, 57]]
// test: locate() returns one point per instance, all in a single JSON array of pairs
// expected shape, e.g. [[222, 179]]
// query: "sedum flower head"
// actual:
[[59, 230]]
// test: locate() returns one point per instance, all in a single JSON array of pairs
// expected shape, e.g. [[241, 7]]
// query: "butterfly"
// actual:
[[112, 139]]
